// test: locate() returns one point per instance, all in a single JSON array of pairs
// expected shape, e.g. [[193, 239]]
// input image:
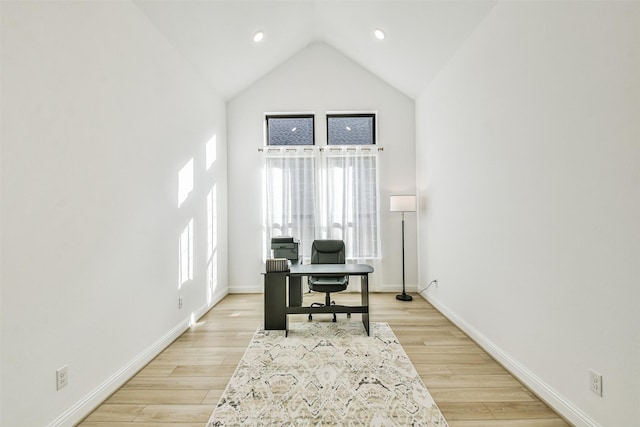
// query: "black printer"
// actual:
[[285, 247]]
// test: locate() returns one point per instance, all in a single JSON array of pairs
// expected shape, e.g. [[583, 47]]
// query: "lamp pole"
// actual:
[[403, 204], [403, 296]]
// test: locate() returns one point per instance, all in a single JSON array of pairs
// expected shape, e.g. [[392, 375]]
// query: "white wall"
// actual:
[[318, 79], [99, 114], [528, 174]]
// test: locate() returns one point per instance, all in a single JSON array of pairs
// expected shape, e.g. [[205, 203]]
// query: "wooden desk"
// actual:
[[275, 292]]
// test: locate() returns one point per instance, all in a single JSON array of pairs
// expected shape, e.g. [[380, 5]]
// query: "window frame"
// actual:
[[374, 124], [270, 116]]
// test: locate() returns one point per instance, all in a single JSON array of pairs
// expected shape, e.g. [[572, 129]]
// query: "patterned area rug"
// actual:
[[326, 374]]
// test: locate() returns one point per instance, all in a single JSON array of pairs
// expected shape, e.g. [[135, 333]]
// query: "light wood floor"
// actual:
[[182, 385]]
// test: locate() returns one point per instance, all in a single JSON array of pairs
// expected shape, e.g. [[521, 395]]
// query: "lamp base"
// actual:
[[404, 297]]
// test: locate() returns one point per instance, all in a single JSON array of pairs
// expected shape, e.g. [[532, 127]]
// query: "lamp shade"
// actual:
[[402, 203]]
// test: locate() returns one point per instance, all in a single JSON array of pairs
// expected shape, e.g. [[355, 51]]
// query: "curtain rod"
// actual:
[[284, 147]]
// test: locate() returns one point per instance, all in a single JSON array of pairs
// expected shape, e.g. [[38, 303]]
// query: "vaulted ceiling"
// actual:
[[216, 36]]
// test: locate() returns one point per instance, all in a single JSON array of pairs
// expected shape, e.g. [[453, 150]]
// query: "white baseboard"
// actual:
[[397, 288], [84, 406], [246, 289], [542, 389]]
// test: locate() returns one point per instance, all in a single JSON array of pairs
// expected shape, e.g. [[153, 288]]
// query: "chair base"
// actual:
[[327, 303]]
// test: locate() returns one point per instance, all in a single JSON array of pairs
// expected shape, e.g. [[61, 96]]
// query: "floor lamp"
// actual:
[[403, 204]]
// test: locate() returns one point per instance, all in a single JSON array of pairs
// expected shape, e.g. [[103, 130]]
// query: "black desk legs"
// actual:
[[364, 295], [295, 291], [275, 301]]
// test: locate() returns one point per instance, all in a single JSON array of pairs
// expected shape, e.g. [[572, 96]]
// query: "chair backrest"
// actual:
[[327, 252]]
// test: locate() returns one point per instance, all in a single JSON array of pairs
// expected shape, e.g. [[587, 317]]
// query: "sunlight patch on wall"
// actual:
[[212, 277], [212, 243], [185, 182], [186, 254], [212, 221], [211, 148]]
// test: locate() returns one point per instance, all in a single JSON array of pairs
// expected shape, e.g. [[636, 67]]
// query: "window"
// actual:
[[290, 129], [351, 129], [325, 192]]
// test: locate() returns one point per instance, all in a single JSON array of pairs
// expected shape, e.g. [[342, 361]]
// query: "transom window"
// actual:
[[351, 129], [296, 129]]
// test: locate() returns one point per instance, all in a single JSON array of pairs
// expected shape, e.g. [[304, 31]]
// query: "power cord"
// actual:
[[433, 282]]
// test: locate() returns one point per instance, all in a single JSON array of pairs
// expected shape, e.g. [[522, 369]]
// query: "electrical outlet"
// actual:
[[595, 382], [180, 302], [62, 377]]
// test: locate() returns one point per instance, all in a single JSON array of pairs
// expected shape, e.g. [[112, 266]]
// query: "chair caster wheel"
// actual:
[[310, 318], [348, 314]]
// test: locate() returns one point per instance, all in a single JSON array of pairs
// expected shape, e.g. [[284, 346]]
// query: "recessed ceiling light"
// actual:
[[258, 36], [380, 35]]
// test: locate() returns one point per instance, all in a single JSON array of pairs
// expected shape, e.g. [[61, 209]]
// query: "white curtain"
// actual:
[[350, 201], [350, 197], [291, 196]]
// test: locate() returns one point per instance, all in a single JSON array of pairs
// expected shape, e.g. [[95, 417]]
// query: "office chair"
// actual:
[[328, 252]]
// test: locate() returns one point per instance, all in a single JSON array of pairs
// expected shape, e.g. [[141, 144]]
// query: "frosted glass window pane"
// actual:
[[290, 130], [357, 129]]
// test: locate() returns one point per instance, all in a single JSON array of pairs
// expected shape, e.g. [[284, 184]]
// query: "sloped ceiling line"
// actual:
[[216, 36]]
